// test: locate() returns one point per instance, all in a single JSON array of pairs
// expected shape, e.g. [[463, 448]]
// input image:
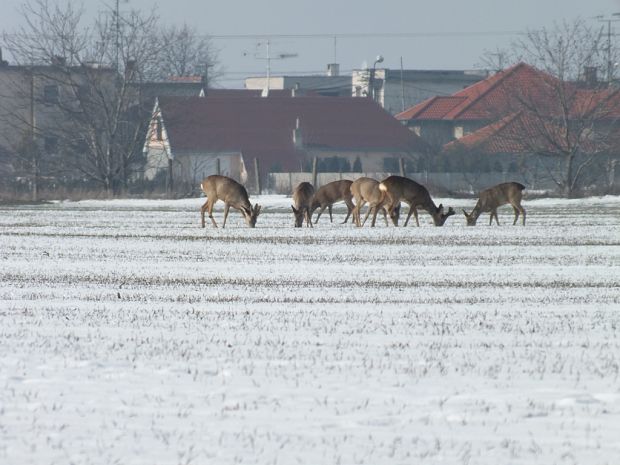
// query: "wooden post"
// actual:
[[401, 163], [314, 171], [257, 175], [217, 166], [169, 185]]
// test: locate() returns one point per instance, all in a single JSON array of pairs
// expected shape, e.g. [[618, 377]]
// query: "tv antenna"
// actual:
[[268, 58]]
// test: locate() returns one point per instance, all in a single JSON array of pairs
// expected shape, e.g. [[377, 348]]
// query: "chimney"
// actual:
[[333, 69], [297, 139], [589, 76]]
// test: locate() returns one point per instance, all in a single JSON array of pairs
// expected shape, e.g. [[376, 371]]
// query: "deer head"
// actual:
[[471, 219], [439, 217], [395, 214], [251, 214], [299, 216]]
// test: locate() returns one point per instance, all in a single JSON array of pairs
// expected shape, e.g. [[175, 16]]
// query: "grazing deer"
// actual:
[[302, 198], [366, 190], [331, 193], [232, 194], [398, 188], [496, 196]]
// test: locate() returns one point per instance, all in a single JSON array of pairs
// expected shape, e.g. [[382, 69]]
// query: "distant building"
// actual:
[[332, 84], [396, 91], [191, 137], [393, 90]]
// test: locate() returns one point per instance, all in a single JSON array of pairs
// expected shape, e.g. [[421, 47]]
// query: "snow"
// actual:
[[130, 335]]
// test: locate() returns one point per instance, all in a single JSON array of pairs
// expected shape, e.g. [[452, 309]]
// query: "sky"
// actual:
[[437, 34]]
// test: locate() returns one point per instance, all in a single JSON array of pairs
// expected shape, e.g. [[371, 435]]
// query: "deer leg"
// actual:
[[374, 216], [308, 218], [202, 213], [516, 210], [210, 210], [226, 208], [358, 212], [350, 208], [384, 216], [496, 217], [319, 214], [522, 214], [370, 207], [329, 209]]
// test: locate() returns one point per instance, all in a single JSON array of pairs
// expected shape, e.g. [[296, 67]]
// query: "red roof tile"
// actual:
[[482, 100], [263, 127]]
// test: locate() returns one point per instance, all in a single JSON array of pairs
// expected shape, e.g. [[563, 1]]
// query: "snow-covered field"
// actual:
[[130, 335]]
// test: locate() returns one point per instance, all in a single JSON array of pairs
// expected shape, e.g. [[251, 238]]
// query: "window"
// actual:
[[358, 91], [458, 132], [416, 129], [50, 94]]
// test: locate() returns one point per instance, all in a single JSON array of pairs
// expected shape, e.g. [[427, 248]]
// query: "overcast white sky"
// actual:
[[440, 49]]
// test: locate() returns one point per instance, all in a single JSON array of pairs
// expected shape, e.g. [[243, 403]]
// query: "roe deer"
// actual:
[[366, 190], [232, 194], [331, 193], [398, 188], [302, 198], [496, 196]]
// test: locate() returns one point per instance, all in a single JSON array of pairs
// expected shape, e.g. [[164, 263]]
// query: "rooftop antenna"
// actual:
[[268, 58]]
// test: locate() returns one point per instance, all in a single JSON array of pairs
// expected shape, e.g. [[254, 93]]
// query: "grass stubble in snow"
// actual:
[[130, 335]]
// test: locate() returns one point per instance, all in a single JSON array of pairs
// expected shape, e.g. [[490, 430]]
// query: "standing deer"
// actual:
[[366, 190], [232, 194], [331, 193], [496, 196], [302, 198], [398, 188]]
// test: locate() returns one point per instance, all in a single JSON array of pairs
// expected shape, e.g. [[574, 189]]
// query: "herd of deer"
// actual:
[[385, 196]]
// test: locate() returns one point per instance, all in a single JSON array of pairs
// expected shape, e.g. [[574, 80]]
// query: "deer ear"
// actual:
[[465, 213], [451, 211], [294, 209], [440, 208], [257, 209]]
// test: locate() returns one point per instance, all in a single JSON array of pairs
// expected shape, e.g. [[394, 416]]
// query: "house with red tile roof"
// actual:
[[442, 119], [194, 136]]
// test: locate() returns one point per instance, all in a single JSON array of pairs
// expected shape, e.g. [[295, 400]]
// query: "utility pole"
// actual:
[[613, 19]]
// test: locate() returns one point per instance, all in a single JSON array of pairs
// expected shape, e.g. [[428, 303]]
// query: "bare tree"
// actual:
[[563, 115], [186, 53], [98, 115]]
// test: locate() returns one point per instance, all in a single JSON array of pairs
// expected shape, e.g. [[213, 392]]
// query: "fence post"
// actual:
[[401, 163], [257, 174], [314, 171], [170, 184], [217, 166]]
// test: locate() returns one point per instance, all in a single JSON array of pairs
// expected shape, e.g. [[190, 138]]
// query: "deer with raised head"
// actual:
[[302, 198], [400, 189], [493, 197], [230, 192], [366, 190], [331, 193]]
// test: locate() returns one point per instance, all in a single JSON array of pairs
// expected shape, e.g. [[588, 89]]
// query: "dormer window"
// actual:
[[458, 132]]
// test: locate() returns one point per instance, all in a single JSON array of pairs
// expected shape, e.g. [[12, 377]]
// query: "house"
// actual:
[[190, 138], [38, 108], [396, 90], [555, 133], [443, 118]]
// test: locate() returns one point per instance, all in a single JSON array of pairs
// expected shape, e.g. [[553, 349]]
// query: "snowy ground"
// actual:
[[129, 335]]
